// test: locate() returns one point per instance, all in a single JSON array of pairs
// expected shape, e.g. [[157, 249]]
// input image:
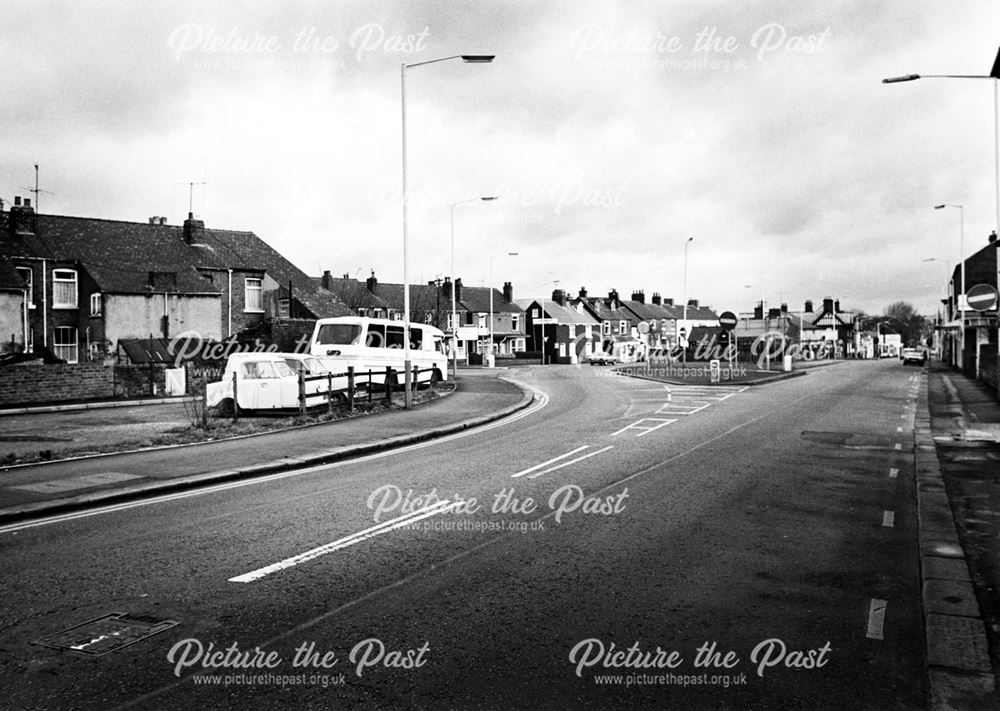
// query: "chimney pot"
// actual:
[[27, 202], [17, 201]]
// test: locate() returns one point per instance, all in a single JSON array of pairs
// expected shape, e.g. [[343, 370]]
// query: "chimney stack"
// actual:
[[668, 301], [22, 218], [559, 296], [613, 296], [372, 283], [758, 310], [508, 292], [809, 307], [194, 230], [458, 289], [827, 305], [693, 303], [639, 296], [446, 287], [993, 238], [657, 299], [583, 292], [326, 279]]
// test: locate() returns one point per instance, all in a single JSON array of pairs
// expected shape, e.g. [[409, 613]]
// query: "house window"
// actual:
[[64, 289], [253, 295], [451, 322], [482, 320], [26, 274], [515, 321], [95, 304], [429, 318], [536, 313], [397, 316], [622, 327], [607, 328], [64, 344]]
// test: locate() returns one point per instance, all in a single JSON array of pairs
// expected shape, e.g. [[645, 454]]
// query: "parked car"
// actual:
[[602, 359], [913, 355], [265, 381]]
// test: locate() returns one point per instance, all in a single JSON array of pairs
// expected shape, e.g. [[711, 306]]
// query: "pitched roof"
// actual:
[[130, 257], [118, 255], [222, 249], [562, 314]]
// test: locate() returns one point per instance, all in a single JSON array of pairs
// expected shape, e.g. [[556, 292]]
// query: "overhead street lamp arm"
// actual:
[[467, 58]]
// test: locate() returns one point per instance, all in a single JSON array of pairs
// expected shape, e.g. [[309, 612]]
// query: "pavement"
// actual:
[[959, 561], [956, 453], [36, 490]]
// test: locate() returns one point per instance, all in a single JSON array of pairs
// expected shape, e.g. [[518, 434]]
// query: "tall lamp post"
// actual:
[[961, 296], [490, 350], [995, 76], [407, 363], [939, 334], [685, 312], [454, 298]]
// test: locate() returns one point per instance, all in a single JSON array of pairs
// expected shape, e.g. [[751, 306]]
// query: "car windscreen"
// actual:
[[339, 334]]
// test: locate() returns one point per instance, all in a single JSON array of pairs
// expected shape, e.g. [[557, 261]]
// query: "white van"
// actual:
[[377, 343]]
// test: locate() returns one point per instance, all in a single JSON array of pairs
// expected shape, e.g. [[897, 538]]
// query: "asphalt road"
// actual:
[[772, 528]]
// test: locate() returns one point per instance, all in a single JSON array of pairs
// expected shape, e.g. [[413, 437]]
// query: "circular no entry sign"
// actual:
[[982, 297], [728, 320]]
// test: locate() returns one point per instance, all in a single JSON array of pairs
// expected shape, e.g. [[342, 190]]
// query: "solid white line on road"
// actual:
[[551, 461], [344, 542], [893, 472], [888, 519], [876, 618], [572, 461]]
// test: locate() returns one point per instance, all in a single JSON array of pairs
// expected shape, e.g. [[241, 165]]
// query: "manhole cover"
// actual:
[[106, 634]]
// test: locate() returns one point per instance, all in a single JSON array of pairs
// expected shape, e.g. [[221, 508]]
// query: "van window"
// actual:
[[376, 336], [339, 334], [416, 338], [265, 369], [394, 337]]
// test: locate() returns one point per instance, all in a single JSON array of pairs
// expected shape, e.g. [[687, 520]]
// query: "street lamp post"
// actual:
[[939, 335], [685, 307], [490, 349], [407, 363], [454, 299], [964, 290]]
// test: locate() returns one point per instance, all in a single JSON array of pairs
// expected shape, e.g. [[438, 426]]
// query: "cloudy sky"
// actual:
[[611, 131]]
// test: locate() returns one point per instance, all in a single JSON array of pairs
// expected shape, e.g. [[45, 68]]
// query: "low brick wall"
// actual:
[[32, 384]]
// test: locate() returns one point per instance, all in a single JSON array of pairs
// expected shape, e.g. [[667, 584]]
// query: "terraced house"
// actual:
[[88, 284]]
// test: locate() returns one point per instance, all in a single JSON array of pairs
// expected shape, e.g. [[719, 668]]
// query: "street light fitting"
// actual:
[[896, 80], [478, 58], [940, 207], [488, 199]]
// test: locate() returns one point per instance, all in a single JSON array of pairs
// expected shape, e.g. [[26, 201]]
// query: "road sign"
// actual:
[[728, 320], [982, 297]]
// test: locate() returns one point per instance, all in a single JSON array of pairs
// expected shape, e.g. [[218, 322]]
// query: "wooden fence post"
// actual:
[[329, 393], [302, 393], [388, 385], [204, 401], [350, 388], [236, 399]]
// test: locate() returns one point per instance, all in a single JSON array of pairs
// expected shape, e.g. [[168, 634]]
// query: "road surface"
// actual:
[[620, 544]]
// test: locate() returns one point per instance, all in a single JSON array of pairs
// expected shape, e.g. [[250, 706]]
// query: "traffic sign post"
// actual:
[[728, 321]]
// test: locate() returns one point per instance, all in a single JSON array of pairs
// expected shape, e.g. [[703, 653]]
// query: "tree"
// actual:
[[910, 325]]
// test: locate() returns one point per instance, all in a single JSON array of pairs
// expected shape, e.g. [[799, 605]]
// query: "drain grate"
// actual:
[[106, 634]]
